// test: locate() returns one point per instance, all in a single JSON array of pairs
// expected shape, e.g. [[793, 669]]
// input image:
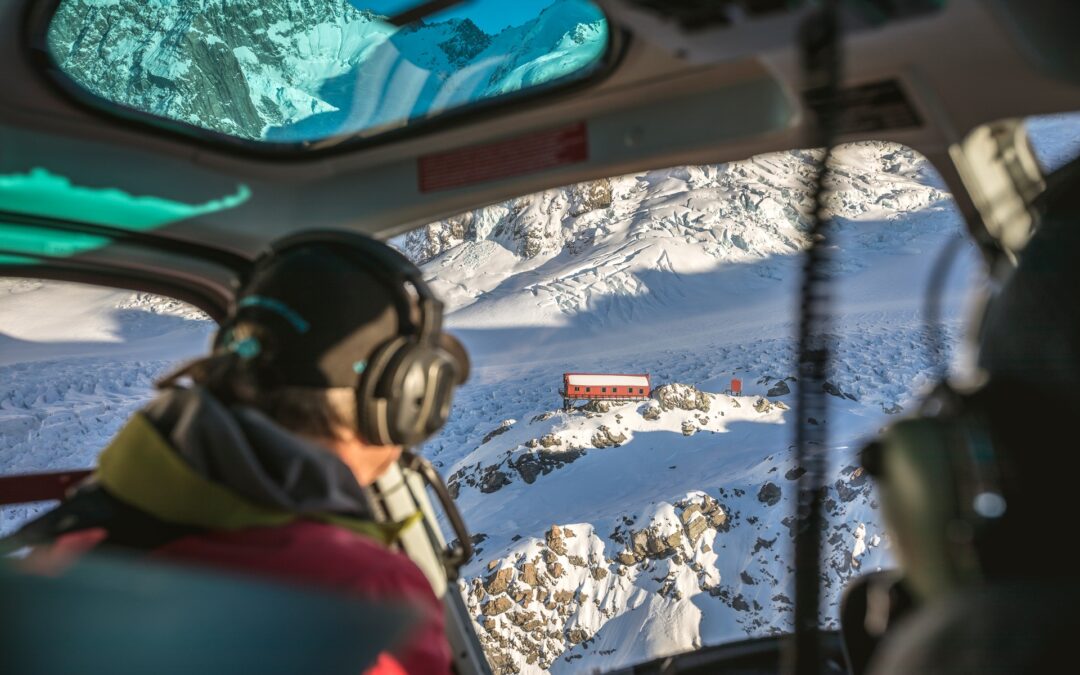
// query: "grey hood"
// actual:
[[243, 450]]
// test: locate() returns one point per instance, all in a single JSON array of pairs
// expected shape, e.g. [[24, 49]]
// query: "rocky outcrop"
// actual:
[[503, 427], [769, 494], [779, 389], [555, 541], [500, 581], [607, 438], [497, 605], [833, 390], [531, 465], [681, 397]]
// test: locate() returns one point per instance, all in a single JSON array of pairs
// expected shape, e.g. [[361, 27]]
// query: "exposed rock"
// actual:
[[689, 512], [794, 473], [497, 605], [688, 428], [695, 529], [894, 409], [532, 465], [543, 417], [529, 575], [606, 438], [763, 405], [562, 597], [505, 426], [779, 389], [626, 558], [556, 570], [652, 412], [502, 663], [719, 520], [681, 396], [599, 573], [769, 494], [763, 544], [576, 561], [490, 624], [550, 440], [521, 617], [493, 480], [596, 407], [500, 581], [555, 541], [834, 390], [674, 539], [550, 556], [576, 636]]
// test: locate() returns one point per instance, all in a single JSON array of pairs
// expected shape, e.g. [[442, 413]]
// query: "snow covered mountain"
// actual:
[[606, 535], [612, 534], [288, 70]]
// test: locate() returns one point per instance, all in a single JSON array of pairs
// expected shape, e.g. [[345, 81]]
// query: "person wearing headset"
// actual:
[[974, 486], [332, 361]]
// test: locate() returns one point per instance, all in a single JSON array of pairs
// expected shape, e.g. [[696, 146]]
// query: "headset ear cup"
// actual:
[[375, 395], [422, 381], [919, 485], [408, 399]]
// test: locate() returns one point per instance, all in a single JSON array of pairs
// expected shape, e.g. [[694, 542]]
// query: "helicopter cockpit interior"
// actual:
[[166, 147]]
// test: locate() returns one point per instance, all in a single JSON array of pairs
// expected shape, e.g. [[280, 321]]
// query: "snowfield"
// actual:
[[608, 534]]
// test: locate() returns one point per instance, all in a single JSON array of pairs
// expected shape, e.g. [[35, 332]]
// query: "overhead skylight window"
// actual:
[[296, 72]]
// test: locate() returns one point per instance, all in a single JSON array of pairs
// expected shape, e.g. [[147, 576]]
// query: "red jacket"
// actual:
[[318, 554], [311, 554]]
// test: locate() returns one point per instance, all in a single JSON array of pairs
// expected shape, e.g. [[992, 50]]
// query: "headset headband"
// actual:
[[391, 267]]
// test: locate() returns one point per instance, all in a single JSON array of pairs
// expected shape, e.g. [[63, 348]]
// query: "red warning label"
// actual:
[[504, 159]]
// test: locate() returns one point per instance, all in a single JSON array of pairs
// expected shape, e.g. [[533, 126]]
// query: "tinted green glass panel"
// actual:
[[6, 259], [292, 71], [41, 193]]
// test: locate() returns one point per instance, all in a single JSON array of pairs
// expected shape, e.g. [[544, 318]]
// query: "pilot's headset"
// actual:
[[965, 479], [940, 484], [404, 385]]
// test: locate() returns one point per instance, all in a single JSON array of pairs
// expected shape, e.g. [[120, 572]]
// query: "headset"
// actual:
[[404, 392], [941, 483]]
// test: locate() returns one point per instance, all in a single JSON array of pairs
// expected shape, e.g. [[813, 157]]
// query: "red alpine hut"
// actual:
[[604, 386]]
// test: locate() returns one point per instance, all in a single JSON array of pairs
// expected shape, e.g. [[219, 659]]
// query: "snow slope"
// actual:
[[605, 535], [690, 275], [75, 362]]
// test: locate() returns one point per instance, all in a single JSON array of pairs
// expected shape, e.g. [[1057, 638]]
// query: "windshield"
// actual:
[[295, 71], [623, 453]]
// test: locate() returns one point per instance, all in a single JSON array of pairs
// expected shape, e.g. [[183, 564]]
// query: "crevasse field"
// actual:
[[605, 535]]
